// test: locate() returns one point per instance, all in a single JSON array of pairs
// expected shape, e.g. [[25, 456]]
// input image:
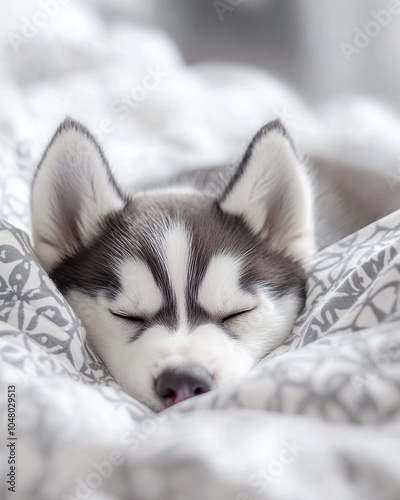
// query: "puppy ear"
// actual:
[[73, 191], [271, 191]]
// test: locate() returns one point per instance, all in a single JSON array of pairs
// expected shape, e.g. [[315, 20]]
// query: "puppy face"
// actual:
[[179, 291]]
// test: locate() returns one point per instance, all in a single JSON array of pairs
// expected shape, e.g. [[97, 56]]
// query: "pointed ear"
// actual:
[[73, 191], [271, 191]]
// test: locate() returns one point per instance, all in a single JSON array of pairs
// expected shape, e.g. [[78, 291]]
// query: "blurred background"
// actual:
[[167, 84], [301, 41]]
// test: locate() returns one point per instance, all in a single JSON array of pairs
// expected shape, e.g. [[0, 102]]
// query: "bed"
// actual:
[[317, 418]]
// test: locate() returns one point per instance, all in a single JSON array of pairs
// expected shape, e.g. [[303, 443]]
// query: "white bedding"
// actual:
[[318, 418]]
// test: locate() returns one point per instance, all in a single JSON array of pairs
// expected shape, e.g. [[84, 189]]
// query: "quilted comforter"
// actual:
[[318, 418]]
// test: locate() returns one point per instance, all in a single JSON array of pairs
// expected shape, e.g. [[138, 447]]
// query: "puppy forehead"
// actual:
[[176, 255], [139, 290], [220, 290], [165, 257]]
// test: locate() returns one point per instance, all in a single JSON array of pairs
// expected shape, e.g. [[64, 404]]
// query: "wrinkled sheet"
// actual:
[[318, 418]]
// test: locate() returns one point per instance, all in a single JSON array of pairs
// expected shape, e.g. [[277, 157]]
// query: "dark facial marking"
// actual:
[[137, 231]]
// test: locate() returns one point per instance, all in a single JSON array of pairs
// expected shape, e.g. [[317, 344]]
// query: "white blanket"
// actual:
[[318, 418]]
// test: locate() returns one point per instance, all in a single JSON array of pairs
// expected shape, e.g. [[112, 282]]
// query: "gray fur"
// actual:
[[127, 234]]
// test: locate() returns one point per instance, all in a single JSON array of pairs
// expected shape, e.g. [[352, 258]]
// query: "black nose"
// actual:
[[177, 384]]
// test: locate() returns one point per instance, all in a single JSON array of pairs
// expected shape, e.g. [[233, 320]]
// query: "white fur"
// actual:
[[219, 292], [177, 248], [274, 194], [170, 190], [147, 299], [72, 175], [137, 364]]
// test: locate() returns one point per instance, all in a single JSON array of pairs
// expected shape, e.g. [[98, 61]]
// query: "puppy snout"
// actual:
[[177, 384]]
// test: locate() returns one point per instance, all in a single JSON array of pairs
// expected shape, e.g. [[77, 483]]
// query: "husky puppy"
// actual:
[[184, 286]]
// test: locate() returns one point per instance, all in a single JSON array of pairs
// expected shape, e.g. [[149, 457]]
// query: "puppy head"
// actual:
[[180, 291]]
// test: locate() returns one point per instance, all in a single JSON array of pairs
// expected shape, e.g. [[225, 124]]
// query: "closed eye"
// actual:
[[128, 317], [236, 314]]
